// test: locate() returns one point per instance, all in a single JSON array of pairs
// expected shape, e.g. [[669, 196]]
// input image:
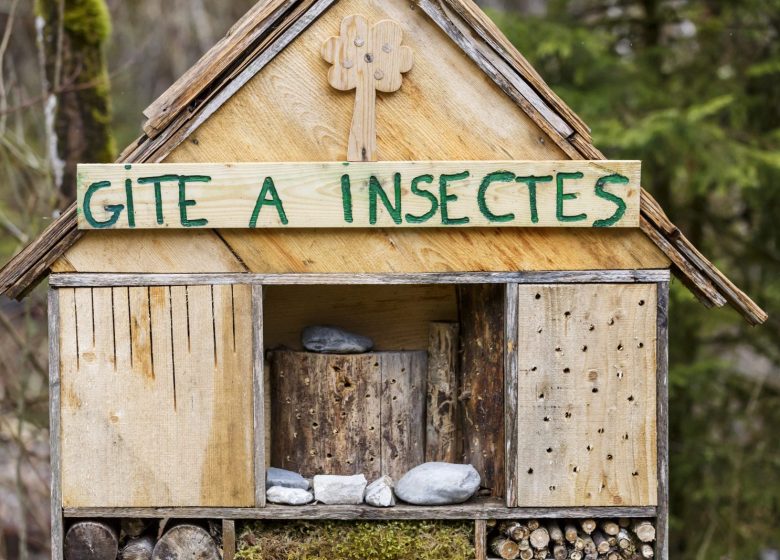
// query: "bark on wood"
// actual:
[[505, 548], [91, 540], [481, 313], [570, 532], [602, 546], [186, 542], [442, 438], [556, 534], [138, 549], [348, 414]]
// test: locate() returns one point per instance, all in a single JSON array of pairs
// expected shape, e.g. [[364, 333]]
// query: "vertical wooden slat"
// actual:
[[662, 422], [442, 438], [54, 424], [480, 539], [228, 539], [258, 386], [510, 393]]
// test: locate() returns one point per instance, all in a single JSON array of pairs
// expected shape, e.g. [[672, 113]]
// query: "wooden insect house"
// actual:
[[361, 241]]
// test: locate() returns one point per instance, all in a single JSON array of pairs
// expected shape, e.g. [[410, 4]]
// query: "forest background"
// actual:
[[690, 87]]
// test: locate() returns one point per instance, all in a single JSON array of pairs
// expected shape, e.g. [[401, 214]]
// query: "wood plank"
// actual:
[[57, 529], [477, 508], [402, 402], [395, 317], [359, 195], [126, 360], [442, 438], [261, 435], [585, 354], [480, 539], [228, 539], [535, 277], [662, 398], [481, 383], [511, 412]]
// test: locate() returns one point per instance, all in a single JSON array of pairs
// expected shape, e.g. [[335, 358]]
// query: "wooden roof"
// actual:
[[273, 24]]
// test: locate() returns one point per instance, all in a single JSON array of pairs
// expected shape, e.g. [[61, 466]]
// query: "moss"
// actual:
[[85, 21], [363, 540]]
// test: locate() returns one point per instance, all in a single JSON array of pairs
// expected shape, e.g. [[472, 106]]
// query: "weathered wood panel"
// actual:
[[481, 383], [339, 414], [154, 385], [442, 439], [395, 317], [586, 395]]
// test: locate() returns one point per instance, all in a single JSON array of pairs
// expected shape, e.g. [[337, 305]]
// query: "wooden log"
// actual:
[[588, 525], [556, 534], [602, 545], [610, 527], [570, 532], [442, 438], [348, 414], [186, 541], [560, 552], [134, 526], [91, 540], [624, 540], [139, 548], [526, 554], [481, 383], [515, 530], [505, 548], [576, 555], [647, 551], [590, 546], [539, 538], [644, 531], [524, 544], [533, 524]]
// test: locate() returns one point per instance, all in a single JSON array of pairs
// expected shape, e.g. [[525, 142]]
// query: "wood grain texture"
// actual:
[[511, 412], [587, 392], [259, 401], [442, 438], [347, 414], [106, 280], [481, 382], [55, 449], [395, 317], [228, 539], [476, 508], [378, 194], [480, 539], [154, 378]]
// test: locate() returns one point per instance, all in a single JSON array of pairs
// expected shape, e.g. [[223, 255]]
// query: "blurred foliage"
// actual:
[[692, 88], [362, 540]]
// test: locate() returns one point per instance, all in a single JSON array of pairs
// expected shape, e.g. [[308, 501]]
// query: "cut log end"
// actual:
[[91, 540], [186, 541], [140, 548]]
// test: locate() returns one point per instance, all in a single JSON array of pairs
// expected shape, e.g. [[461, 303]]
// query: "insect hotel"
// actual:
[[363, 266]]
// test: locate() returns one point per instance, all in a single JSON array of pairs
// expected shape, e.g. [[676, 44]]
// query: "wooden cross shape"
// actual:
[[366, 59]]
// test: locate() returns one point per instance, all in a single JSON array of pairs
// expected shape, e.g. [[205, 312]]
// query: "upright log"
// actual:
[[481, 315], [91, 540], [442, 437], [188, 542]]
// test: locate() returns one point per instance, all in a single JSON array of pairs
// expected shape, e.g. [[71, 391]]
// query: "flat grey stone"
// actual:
[[333, 340], [288, 496], [288, 479], [333, 489], [436, 484], [380, 492]]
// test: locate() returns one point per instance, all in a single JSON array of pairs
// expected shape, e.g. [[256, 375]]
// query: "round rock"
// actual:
[[437, 484], [380, 492], [288, 496], [288, 479]]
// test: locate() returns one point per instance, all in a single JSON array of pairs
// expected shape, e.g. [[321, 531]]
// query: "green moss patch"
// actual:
[[361, 540]]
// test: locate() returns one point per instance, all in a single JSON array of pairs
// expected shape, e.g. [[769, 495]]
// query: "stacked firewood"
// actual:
[[583, 539]]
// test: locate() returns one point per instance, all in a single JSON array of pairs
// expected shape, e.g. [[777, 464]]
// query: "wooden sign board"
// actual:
[[370, 194]]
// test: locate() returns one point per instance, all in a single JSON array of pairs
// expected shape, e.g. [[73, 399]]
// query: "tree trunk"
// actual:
[[186, 542], [481, 314], [78, 110], [91, 540]]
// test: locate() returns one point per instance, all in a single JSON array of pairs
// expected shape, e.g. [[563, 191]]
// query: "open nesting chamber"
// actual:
[[416, 378]]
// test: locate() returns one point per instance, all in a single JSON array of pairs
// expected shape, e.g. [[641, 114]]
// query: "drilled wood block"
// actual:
[[586, 395]]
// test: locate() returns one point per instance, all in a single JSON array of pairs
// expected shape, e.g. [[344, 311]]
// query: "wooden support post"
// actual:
[[442, 438], [480, 539], [228, 539], [54, 425], [258, 397], [662, 421], [510, 392], [481, 314]]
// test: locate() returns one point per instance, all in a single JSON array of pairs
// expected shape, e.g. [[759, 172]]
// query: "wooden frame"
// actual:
[[95, 280], [480, 509]]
